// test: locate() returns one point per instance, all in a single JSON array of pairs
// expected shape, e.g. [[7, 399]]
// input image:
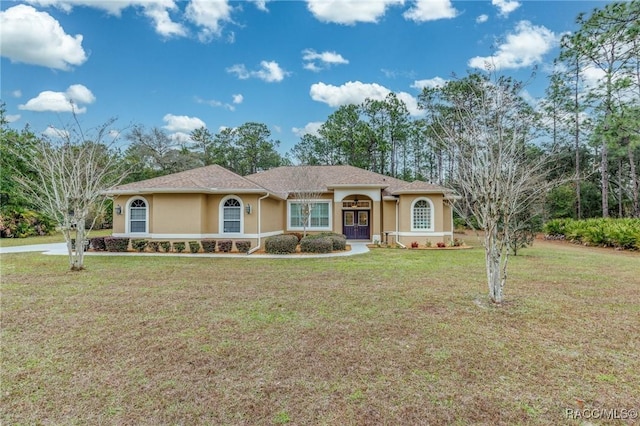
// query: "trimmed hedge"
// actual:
[[179, 246], [139, 245], [243, 246], [338, 241], [209, 246], [116, 244], [154, 246], [194, 246], [281, 244], [98, 244], [225, 246], [607, 232], [316, 244], [166, 246]]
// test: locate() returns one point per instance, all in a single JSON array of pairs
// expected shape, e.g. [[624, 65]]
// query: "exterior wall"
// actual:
[[442, 226], [177, 214], [274, 217], [389, 221]]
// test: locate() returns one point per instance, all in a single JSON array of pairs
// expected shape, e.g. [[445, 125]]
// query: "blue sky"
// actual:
[[180, 65]]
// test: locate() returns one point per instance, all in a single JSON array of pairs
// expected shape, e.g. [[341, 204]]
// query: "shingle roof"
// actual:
[[212, 178], [280, 181]]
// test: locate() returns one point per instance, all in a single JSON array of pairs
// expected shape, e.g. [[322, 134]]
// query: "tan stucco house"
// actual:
[[213, 202]]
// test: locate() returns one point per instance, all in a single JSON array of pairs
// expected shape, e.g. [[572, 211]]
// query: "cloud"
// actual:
[[12, 118], [505, 7], [430, 83], [68, 101], [36, 38], [314, 61], [269, 71], [355, 92], [482, 19], [209, 15], [430, 10], [309, 129], [237, 99], [522, 48], [54, 133], [17, 93], [156, 10], [182, 123], [349, 12], [261, 4]]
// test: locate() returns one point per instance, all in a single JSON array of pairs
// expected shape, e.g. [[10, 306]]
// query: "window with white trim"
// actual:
[[422, 215], [231, 216], [319, 218], [138, 216]]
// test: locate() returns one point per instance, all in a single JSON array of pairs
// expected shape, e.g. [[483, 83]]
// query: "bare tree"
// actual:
[[306, 197], [497, 176], [67, 182]]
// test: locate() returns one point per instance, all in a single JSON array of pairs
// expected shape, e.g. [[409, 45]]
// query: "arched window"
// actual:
[[422, 215], [232, 216], [138, 216]]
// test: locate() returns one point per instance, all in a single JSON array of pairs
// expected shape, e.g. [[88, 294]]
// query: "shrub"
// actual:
[[209, 246], [414, 244], [116, 244], [243, 246], [179, 246], [281, 244], [194, 246], [73, 244], [139, 245], [225, 245], [441, 244], [97, 243], [166, 246], [620, 233], [338, 241], [298, 235], [315, 244], [20, 223], [154, 246]]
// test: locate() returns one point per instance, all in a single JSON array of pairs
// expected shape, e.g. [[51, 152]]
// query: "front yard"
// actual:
[[390, 337]]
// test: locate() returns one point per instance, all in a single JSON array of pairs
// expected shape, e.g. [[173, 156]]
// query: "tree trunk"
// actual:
[[493, 265], [634, 182], [604, 170]]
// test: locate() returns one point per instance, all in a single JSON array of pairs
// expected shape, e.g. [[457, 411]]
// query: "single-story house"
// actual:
[[212, 202]]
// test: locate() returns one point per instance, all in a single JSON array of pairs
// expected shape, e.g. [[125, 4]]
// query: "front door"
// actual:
[[355, 224]]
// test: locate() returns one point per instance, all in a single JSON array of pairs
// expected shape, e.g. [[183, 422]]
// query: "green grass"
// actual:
[[48, 239], [390, 337]]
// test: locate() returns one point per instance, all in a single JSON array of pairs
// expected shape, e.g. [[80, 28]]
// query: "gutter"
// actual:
[[398, 225], [256, 248]]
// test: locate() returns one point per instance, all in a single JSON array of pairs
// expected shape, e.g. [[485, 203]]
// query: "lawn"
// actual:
[[56, 237], [389, 337]]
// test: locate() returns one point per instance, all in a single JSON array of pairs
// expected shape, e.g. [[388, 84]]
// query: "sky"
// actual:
[[182, 65]]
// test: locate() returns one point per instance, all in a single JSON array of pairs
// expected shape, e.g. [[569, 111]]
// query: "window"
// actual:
[[231, 216], [421, 215], [319, 218], [138, 216]]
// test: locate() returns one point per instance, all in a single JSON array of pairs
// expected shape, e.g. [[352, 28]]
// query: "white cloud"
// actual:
[[314, 61], [355, 92], [209, 15], [309, 129], [481, 19], [430, 10], [238, 99], [505, 7], [349, 12], [68, 101], [269, 71], [12, 118], [182, 123], [261, 4], [156, 10], [17, 93], [54, 133], [429, 83], [522, 48], [180, 137], [36, 38]]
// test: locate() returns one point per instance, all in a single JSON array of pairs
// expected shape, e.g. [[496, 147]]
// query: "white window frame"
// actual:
[[221, 215], [329, 227], [431, 215], [128, 215]]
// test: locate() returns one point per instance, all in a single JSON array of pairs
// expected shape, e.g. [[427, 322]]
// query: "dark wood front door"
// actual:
[[355, 224]]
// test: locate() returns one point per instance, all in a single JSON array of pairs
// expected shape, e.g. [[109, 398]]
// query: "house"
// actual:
[[213, 202]]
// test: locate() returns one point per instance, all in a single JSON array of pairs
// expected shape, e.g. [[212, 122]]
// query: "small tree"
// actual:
[[67, 180], [308, 196], [486, 128]]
